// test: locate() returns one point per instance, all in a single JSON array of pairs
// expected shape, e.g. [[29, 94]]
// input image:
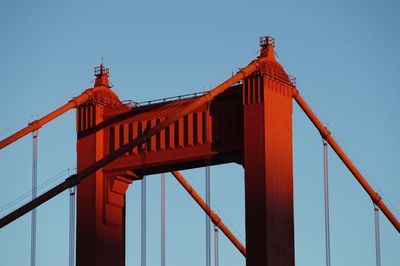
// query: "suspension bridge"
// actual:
[[246, 120]]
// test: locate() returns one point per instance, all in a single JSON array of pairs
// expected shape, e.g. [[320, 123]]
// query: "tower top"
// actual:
[[102, 73], [266, 41], [270, 64], [267, 44]]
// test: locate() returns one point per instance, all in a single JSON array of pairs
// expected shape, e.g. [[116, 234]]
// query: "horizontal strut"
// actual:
[[376, 198], [213, 216]]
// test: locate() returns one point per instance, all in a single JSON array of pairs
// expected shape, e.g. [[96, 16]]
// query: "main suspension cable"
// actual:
[[215, 207], [325, 133], [214, 217], [38, 188]]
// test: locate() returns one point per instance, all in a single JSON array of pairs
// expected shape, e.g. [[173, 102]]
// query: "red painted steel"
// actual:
[[376, 198], [268, 167], [93, 216], [189, 142], [248, 123], [100, 197], [100, 84], [35, 125], [100, 226], [214, 217], [75, 179]]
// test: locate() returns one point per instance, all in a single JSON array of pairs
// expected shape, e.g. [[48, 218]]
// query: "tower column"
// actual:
[[267, 99], [100, 224]]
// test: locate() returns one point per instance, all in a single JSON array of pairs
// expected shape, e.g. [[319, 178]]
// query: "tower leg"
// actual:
[[268, 172], [101, 221], [100, 228]]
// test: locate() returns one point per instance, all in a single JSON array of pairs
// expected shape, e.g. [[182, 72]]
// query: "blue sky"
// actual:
[[345, 57]]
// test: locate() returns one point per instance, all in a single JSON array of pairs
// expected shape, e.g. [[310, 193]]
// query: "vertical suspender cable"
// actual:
[[72, 226], [216, 251], [208, 221], [127, 230], [326, 196], [143, 222], [163, 219], [34, 195], [377, 236]]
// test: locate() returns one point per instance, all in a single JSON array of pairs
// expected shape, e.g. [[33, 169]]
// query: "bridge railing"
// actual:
[[134, 104]]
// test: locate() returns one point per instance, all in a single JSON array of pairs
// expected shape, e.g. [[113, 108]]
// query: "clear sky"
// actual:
[[345, 55]]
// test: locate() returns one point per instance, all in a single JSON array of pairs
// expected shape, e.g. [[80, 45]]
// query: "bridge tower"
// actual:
[[250, 124], [247, 119], [100, 199], [267, 100]]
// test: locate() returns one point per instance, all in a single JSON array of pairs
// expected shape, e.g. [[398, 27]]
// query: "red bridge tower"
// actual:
[[250, 124]]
